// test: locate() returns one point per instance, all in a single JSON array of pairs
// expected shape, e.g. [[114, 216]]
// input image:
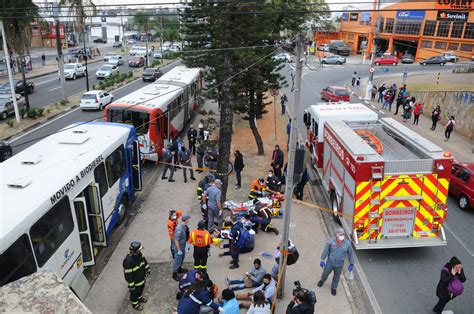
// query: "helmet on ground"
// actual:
[[135, 246], [201, 224]]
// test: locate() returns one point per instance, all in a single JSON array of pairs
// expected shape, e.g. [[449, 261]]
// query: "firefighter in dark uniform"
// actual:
[[202, 187], [136, 269], [201, 239]]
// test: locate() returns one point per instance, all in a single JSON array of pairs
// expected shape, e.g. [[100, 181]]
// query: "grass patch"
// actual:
[[433, 87]]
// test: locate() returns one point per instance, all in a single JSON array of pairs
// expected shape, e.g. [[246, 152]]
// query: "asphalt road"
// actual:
[[403, 280]]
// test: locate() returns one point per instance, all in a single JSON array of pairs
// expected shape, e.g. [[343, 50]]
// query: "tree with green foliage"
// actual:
[[81, 9]]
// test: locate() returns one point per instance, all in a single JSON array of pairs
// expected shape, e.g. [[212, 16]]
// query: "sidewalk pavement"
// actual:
[[460, 146], [109, 294]]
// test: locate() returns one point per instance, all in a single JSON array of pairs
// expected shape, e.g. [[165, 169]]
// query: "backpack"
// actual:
[[455, 286], [244, 237]]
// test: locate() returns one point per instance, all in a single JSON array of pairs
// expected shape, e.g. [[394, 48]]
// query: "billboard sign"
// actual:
[[345, 16], [410, 15], [452, 16], [454, 4]]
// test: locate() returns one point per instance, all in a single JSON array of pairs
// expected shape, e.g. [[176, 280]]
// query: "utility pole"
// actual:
[[121, 28], [9, 71], [374, 48], [60, 52], [161, 38], [146, 45], [291, 162]]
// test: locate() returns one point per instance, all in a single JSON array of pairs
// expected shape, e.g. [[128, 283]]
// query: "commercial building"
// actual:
[[423, 29]]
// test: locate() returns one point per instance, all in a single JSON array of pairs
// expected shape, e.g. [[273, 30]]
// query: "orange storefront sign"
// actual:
[[454, 4]]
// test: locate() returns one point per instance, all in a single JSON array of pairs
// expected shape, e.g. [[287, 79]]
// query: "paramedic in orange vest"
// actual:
[[201, 239], [173, 217], [257, 188]]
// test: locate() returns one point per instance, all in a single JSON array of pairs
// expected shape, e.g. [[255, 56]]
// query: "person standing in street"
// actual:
[[450, 283], [43, 59], [136, 269], [168, 160], [278, 159], [192, 137], [214, 205], [435, 117], [175, 148], [288, 133], [173, 221], [381, 90], [181, 236], [354, 79], [200, 150], [185, 160], [449, 128], [300, 186], [283, 100], [417, 111], [357, 83], [200, 238], [238, 167], [333, 256]]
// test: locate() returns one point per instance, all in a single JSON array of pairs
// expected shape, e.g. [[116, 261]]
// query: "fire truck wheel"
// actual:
[[335, 207], [122, 210]]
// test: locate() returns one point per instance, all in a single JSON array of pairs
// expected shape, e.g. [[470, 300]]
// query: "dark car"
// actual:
[[339, 47], [136, 62], [100, 40], [117, 44], [462, 185], [151, 74], [335, 94], [434, 60], [30, 86], [407, 58]]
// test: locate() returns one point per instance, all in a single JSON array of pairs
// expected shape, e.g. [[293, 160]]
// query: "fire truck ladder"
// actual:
[[375, 202]]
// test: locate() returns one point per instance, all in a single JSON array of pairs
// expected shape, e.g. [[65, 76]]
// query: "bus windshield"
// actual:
[[140, 120]]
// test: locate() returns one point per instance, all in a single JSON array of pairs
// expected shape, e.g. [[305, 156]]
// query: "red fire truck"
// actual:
[[386, 184]]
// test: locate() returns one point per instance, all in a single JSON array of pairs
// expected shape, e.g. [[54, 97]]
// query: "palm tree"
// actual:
[[81, 9]]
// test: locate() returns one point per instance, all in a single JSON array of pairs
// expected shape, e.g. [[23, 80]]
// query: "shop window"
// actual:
[[440, 45], [469, 31], [453, 46], [426, 44], [466, 47], [408, 27], [389, 25], [443, 28], [429, 28], [456, 32]]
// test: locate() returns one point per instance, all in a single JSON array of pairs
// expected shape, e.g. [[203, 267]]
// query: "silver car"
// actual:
[[334, 59], [105, 71], [6, 104]]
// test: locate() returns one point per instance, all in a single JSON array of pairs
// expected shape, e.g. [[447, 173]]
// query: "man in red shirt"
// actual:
[[277, 161]]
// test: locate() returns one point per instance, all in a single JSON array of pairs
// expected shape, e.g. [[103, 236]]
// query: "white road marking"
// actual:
[[381, 112], [463, 244], [50, 90], [44, 82], [373, 106]]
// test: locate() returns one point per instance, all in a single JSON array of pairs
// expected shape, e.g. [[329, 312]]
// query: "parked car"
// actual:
[[136, 62], [386, 59], [30, 87], [157, 55], [131, 41], [108, 56], [115, 60], [95, 99], [73, 70], [434, 60], [100, 40], [74, 52], [6, 104], [284, 57], [335, 94], [151, 74], [117, 44], [339, 47], [138, 50], [334, 59], [408, 58], [324, 47], [106, 70], [449, 56], [462, 184]]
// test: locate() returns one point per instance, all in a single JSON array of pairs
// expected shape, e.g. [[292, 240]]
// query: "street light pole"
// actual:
[[161, 38], [85, 54], [9, 71], [60, 52], [291, 162], [374, 49]]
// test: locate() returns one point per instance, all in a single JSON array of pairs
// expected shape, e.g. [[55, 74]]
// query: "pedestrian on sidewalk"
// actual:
[[136, 269], [449, 128], [173, 221], [185, 160], [175, 148], [214, 205], [357, 84], [435, 117], [200, 150], [192, 137], [43, 59], [238, 167], [402, 98], [354, 78], [450, 284], [417, 111], [181, 236], [283, 100], [333, 256], [200, 238], [278, 159], [374, 93], [381, 93], [288, 133], [299, 190], [407, 109], [168, 163], [387, 99]]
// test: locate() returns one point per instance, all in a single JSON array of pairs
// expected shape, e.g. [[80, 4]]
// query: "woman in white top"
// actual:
[[259, 304]]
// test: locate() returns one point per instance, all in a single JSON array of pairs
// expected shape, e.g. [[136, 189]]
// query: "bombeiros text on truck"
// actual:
[[386, 184]]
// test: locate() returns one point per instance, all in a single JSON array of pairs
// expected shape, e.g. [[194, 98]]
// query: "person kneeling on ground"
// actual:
[[300, 304], [268, 287], [252, 278], [262, 215], [248, 246], [196, 296], [188, 279]]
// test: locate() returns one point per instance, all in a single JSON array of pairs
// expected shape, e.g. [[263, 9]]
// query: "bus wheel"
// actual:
[[122, 210], [335, 207]]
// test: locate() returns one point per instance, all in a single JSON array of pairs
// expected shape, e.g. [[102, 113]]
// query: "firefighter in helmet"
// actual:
[[136, 269], [201, 196], [200, 238], [257, 188]]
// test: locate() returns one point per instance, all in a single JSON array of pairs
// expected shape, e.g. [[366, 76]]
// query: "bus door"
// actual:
[[136, 167], [95, 215], [80, 209], [186, 103]]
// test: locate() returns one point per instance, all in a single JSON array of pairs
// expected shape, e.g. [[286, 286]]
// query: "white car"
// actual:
[[108, 56], [73, 70], [138, 50], [115, 60], [450, 56], [95, 99], [157, 55], [286, 57], [105, 71]]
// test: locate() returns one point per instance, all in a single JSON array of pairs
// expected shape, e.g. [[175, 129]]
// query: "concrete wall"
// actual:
[[457, 104]]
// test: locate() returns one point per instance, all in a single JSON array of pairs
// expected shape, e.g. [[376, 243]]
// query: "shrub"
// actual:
[[11, 123], [101, 85], [22, 111], [155, 63], [211, 113], [130, 73], [40, 112], [202, 112], [47, 110], [62, 102], [32, 113]]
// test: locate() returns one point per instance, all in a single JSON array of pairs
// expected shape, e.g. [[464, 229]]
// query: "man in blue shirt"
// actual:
[[185, 159]]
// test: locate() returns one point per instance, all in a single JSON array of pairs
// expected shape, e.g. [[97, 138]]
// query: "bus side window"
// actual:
[[17, 261], [315, 128], [51, 230], [115, 165], [101, 179]]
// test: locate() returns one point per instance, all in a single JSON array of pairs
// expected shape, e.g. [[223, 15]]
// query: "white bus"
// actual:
[[61, 198]]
